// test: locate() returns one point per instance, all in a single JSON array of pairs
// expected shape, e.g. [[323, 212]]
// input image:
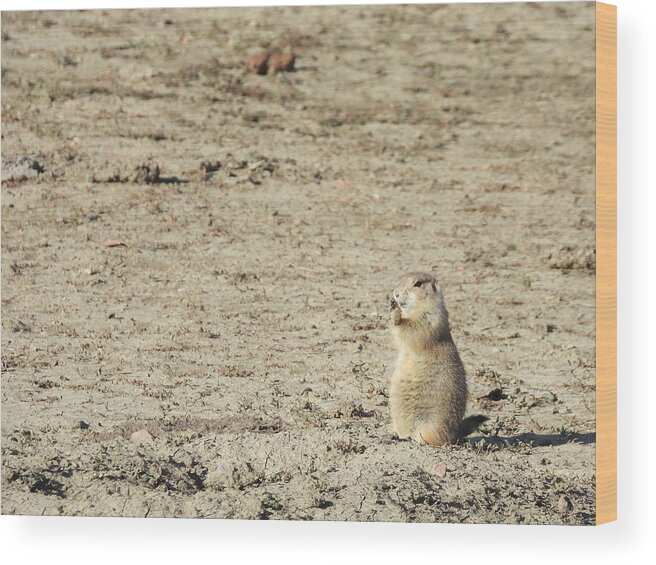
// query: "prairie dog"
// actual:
[[428, 393]]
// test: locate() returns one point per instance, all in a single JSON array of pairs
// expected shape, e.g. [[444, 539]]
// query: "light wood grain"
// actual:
[[606, 291]]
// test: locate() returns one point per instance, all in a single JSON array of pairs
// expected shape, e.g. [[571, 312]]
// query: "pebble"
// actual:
[[115, 243], [564, 505], [439, 470]]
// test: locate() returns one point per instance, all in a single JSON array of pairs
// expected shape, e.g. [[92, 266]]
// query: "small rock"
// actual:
[[141, 436], [564, 505], [115, 243], [84, 425], [91, 217], [439, 470]]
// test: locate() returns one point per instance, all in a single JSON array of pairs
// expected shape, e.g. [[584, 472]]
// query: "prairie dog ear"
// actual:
[[436, 286]]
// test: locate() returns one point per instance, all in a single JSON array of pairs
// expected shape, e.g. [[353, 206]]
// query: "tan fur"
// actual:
[[428, 392]]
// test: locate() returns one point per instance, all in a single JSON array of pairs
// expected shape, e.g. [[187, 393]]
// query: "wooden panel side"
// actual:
[[606, 240]]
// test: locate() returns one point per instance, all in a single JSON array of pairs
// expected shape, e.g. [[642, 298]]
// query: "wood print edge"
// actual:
[[606, 271]]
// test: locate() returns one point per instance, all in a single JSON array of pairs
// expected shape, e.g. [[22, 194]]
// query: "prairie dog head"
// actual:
[[417, 303]]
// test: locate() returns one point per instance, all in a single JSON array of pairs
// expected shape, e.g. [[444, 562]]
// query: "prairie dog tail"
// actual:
[[470, 424]]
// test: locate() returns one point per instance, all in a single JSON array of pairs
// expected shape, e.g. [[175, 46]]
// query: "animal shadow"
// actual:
[[534, 440], [169, 180]]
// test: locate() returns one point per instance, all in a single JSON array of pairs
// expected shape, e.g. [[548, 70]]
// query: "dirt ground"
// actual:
[[196, 260]]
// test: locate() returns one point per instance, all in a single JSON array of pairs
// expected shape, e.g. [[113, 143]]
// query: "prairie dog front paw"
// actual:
[[395, 313]]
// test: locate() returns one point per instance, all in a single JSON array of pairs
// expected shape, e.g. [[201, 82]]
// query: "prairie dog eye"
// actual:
[[418, 283]]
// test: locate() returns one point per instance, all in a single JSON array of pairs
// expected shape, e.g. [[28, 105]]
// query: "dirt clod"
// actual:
[[569, 258], [271, 62], [20, 169], [258, 63]]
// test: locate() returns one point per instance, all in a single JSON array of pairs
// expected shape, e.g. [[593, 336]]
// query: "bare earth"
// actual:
[[196, 260]]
